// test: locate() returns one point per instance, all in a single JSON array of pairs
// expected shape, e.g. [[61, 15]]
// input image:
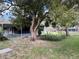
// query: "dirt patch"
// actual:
[[22, 48]]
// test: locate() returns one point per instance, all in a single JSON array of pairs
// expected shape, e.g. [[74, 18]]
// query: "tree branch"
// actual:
[[38, 23], [4, 10]]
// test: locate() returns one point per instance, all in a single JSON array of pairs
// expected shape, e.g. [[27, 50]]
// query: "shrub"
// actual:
[[2, 38], [40, 29], [52, 33], [53, 37]]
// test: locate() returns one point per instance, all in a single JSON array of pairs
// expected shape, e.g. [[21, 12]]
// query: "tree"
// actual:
[[63, 13], [61, 10], [37, 10], [21, 22], [33, 9], [66, 20]]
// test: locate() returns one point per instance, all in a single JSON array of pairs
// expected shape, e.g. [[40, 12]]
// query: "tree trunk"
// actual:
[[66, 31], [33, 35], [34, 25], [33, 29]]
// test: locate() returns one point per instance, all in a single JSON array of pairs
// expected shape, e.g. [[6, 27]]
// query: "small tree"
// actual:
[[20, 22], [66, 20], [63, 13]]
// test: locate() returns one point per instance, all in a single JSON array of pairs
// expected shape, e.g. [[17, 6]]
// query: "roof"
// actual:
[[5, 22]]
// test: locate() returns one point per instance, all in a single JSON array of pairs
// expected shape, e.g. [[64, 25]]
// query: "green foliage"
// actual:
[[33, 9], [47, 24], [63, 14], [32, 6], [70, 3], [21, 22], [54, 24], [40, 29], [2, 38], [53, 36], [52, 33], [67, 18]]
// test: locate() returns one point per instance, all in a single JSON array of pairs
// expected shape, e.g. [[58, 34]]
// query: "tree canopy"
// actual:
[[37, 10]]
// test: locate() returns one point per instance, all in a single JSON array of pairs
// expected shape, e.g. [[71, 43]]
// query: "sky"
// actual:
[[7, 14]]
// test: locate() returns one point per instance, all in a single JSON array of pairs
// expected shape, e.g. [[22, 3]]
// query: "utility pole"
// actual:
[[2, 28], [21, 29]]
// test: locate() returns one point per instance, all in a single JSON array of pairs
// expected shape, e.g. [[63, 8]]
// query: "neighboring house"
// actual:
[[77, 27], [5, 26], [73, 29], [59, 28]]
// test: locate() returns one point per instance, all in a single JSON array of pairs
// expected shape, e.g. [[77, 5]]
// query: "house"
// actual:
[[5, 24]]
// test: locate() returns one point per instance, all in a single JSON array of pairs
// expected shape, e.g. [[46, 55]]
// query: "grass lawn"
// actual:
[[26, 49], [4, 44]]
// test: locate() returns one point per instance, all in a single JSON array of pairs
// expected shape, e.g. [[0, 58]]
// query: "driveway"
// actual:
[[14, 35]]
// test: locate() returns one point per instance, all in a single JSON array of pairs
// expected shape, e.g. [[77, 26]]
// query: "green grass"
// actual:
[[4, 44], [69, 49], [65, 49], [71, 44]]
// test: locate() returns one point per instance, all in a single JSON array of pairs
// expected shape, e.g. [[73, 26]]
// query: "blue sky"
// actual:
[[7, 14]]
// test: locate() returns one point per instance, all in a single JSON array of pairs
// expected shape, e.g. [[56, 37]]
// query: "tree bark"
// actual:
[[33, 36], [33, 29], [66, 31]]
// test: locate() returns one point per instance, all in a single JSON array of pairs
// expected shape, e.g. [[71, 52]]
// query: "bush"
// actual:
[[53, 37], [52, 33], [40, 29], [2, 38]]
